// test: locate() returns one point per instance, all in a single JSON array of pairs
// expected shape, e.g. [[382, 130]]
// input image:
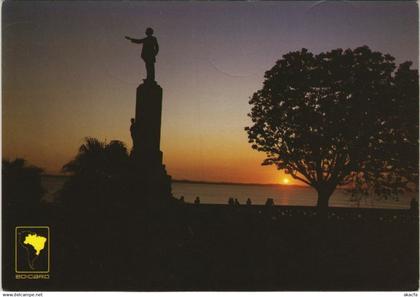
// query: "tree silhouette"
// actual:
[[22, 188], [339, 117], [99, 171]]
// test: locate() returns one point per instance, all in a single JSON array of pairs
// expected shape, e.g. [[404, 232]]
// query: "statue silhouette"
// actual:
[[149, 52]]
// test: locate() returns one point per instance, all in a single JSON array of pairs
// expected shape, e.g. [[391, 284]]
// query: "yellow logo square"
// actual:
[[32, 249]]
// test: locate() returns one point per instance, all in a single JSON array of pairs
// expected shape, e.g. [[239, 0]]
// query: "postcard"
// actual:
[[210, 146]]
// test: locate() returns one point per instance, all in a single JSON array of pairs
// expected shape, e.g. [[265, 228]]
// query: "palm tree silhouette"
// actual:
[[99, 173]]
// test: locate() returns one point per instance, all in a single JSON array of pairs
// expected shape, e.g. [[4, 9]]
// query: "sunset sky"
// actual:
[[69, 73]]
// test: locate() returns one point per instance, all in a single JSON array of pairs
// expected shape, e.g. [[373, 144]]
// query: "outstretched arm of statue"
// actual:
[[134, 40]]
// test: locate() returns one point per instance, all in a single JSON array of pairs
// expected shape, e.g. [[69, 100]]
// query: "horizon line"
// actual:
[[204, 182]]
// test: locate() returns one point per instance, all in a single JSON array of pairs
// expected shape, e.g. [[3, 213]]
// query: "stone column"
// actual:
[[146, 151]]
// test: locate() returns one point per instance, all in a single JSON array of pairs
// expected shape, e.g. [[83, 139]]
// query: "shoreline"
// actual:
[[187, 181]]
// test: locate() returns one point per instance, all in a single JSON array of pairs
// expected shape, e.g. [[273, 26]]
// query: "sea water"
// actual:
[[282, 195]]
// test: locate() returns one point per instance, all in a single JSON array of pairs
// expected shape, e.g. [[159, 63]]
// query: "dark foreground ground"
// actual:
[[217, 247]]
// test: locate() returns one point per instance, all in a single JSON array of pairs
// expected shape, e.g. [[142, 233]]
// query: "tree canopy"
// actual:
[[99, 174], [22, 188], [339, 117]]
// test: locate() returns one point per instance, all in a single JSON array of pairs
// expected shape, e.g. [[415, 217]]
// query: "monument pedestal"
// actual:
[[154, 181]]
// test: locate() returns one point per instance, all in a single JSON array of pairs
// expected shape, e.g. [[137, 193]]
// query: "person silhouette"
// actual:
[[133, 130], [414, 205], [149, 52], [231, 201]]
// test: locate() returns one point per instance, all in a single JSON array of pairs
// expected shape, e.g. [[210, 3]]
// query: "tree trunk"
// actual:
[[323, 199], [324, 195]]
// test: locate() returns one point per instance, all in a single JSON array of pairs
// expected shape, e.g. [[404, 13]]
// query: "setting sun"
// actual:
[[285, 181]]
